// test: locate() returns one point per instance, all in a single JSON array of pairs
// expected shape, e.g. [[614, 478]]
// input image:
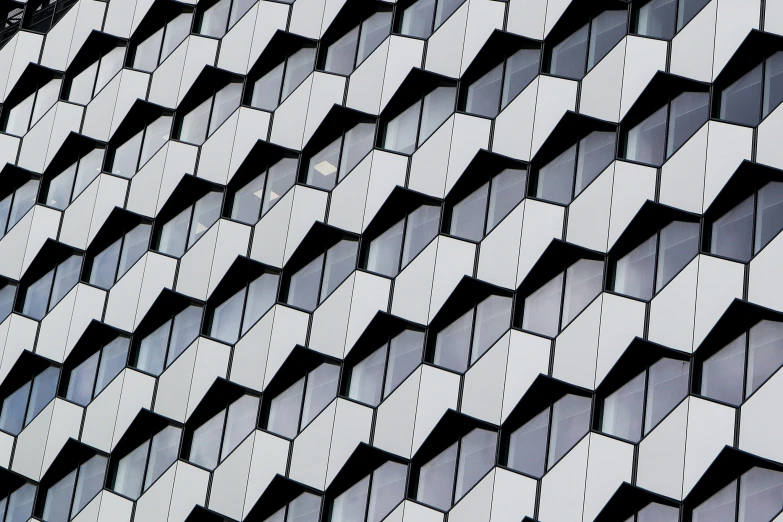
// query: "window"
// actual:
[[373, 497], [64, 499], [134, 472], [755, 495], [110, 264], [170, 337], [654, 512], [750, 98], [7, 296], [255, 198], [445, 479], [543, 439], [376, 376], [25, 402], [200, 122], [661, 134], [392, 250], [740, 367], [647, 268], [461, 343], [552, 306], [11, 17], [129, 156], [181, 231], [45, 13], [16, 504], [745, 229], [354, 46], [290, 411], [634, 409], [235, 315], [83, 381], [274, 85], [58, 192], [213, 440], [576, 53], [313, 283], [216, 18], [23, 115], [159, 42], [423, 17], [410, 128], [489, 94], [660, 18], [304, 508], [17, 199], [476, 214], [82, 84], [332, 163], [563, 178], [43, 294]]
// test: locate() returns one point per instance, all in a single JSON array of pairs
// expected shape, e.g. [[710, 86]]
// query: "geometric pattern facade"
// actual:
[[413, 260]]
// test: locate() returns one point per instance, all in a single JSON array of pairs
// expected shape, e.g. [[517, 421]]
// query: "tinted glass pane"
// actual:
[[261, 295], [304, 508], [65, 278], [112, 362], [193, 127], [367, 378], [111, 63], [765, 354], [126, 157], [281, 177], [59, 193], [227, 101], [174, 234], [555, 181], [47, 96], [90, 482], [186, 327], [722, 372], [436, 479], [238, 9], [527, 445], [20, 504], [18, 119], [770, 214], [375, 29], [445, 8], [476, 458], [246, 204], [679, 244], [388, 489], [341, 54], [657, 18], [452, 344], [81, 86], [145, 56], [493, 319], [321, 389], [266, 90], [570, 421], [721, 506], [44, 389], [646, 142], [421, 228], [658, 513], [12, 415], [438, 106], [303, 286], [340, 262], [224, 323], [214, 19], [596, 152], [36, 297], [156, 135], [584, 281], [417, 19], [205, 213], [176, 31], [322, 171], [104, 265], [5, 206], [688, 9], [467, 216], [569, 56], [507, 190], [57, 506], [358, 142], [761, 495], [129, 475], [635, 272], [351, 505], [24, 199], [542, 308], [383, 256], [773, 83], [205, 445], [82, 379], [608, 28], [622, 410], [740, 102], [668, 385], [240, 422], [483, 96], [400, 133], [89, 168], [284, 411], [152, 350], [163, 453], [7, 295], [404, 357], [690, 110], [732, 233], [300, 65], [135, 245], [521, 68]]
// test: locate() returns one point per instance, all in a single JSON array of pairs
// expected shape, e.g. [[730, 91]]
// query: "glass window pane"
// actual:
[[521, 68], [506, 191], [126, 157], [238, 10], [556, 180], [358, 142], [668, 385], [113, 361], [658, 513], [493, 319], [608, 28], [436, 479], [241, 420], [417, 19], [542, 308], [340, 262], [622, 410], [722, 373], [246, 203], [89, 168], [721, 506], [111, 63], [770, 214], [91, 476], [18, 119], [304, 508], [375, 29], [57, 506], [155, 137], [24, 199], [214, 19], [165, 447], [657, 19], [340, 55], [350, 505], [129, 476], [20, 504], [388, 489], [135, 245], [36, 297], [584, 281], [404, 356], [44, 389], [484, 94], [205, 446], [570, 422], [732, 233], [422, 227], [452, 344], [303, 287], [81, 87], [367, 378], [227, 101], [12, 415], [266, 90], [646, 142], [299, 66], [773, 83], [400, 132], [688, 9], [527, 445], [284, 411], [690, 110], [282, 176], [568, 57], [322, 171], [321, 389], [467, 216], [476, 458], [152, 350], [176, 31], [145, 56], [761, 495], [740, 102], [58, 194], [634, 272], [47, 96], [174, 233], [445, 8], [679, 244], [187, 325], [383, 256], [225, 318], [193, 127], [438, 106], [7, 295], [596, 152], [262, 294], [65, 278], [81, 380], [205, 213], [765, 353]]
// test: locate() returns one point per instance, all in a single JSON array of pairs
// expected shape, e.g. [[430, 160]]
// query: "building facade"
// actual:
[[412, 260]]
